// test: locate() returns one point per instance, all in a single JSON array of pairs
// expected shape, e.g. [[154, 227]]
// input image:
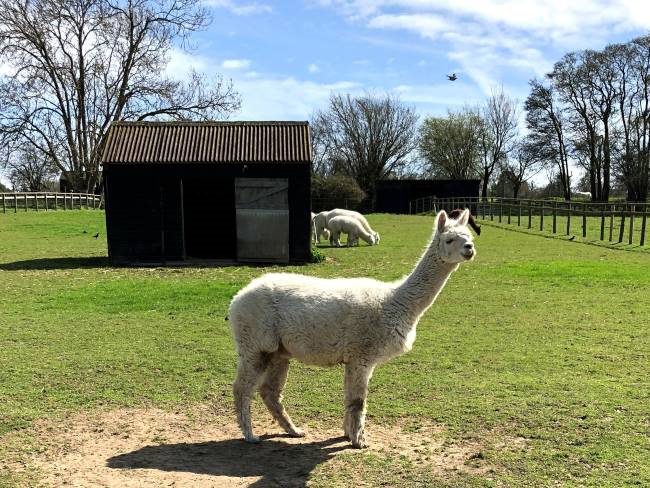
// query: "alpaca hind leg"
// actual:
[[357, 377], [249, 373], [271, 392]]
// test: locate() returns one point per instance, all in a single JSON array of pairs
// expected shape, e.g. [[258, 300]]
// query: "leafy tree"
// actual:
[[78, 65], [452, 146]]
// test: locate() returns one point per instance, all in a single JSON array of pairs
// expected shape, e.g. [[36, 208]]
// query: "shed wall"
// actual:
[[149, 210]]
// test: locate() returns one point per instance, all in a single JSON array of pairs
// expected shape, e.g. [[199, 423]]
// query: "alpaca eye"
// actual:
[[449, 241]]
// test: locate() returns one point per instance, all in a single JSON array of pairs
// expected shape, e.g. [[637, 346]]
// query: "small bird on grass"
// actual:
[[96, 235], [572, 237]]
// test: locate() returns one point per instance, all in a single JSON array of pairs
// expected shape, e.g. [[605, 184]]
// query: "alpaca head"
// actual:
[[453, 238]]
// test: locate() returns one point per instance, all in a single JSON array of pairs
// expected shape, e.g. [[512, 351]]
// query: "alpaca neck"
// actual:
[[418, 291]]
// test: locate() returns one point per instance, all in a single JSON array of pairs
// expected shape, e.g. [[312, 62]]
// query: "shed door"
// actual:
[[262, 207]]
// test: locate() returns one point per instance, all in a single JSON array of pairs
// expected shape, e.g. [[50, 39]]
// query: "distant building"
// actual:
[[195, 191], [393, 196]]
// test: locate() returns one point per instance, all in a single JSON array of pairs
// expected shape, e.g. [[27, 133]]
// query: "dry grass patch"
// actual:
[[136, 447]]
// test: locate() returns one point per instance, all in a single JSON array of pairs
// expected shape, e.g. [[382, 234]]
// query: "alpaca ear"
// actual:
[[464, 217], [441, 220]]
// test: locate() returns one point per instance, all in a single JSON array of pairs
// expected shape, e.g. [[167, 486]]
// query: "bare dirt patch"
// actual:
[[201, 448]]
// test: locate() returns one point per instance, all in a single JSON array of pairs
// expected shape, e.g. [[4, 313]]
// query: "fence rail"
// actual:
[[615, 222], [45, 201]]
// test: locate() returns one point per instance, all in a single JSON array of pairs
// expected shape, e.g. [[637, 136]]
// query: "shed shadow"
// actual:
[[56, 263], [276, 463]]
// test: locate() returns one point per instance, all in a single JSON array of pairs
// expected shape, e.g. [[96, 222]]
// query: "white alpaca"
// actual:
[[319, 227], [321, 221], [281, 316], [350, 226]]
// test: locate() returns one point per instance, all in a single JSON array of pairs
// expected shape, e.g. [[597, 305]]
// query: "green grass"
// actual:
[[543, 339]]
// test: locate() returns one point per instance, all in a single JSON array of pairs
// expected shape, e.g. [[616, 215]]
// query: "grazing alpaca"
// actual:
[[321, 221], [350, 226], [318, 230], [280, 316]]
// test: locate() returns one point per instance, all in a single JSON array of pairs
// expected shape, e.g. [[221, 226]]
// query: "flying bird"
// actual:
[[452, 77]]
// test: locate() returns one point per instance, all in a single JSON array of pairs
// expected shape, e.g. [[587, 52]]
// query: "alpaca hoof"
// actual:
[[296, 433], [253, 439], [360, 444]]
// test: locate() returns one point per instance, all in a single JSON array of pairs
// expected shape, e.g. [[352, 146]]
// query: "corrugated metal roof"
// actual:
[[207, 142]]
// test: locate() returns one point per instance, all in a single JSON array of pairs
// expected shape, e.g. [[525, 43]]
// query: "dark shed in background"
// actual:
[[393, 196], [184, 191]]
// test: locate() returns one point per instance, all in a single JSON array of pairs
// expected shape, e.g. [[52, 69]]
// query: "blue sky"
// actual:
[[285, 58]]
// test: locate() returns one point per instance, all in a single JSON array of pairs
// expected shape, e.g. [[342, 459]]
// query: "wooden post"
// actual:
[[554, 217], [500, 211], [509, 210], [568, 218], [519, 213], [621, 230], [530, 213], [643, 223], [46, 206], [15, 202], [36, 200], [584, 220], [541, 217], [611, 222], [631, 225], [4, 204], [602, 223], [25, 202]]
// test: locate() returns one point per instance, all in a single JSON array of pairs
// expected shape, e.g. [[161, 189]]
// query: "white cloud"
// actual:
[[240, 8], [181, 62], [235, 64], [6, 69], [286, 98], [313, 68]]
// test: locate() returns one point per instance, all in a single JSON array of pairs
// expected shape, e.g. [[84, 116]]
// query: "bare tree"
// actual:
[[78, 65], [28, 170], [451, 146], [522, 167], [368, 137], [498, 137], [546, 141]]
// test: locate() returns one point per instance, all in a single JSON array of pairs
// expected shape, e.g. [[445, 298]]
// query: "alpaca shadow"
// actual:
[[56, 263], [277, 463]]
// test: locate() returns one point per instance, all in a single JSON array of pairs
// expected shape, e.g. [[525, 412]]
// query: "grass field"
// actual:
[[541, 340]]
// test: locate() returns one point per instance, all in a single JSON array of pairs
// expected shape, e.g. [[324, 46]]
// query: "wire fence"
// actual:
[[45, 201], [615, 222]]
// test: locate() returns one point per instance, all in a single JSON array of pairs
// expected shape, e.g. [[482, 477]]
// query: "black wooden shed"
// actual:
[[201, 191]]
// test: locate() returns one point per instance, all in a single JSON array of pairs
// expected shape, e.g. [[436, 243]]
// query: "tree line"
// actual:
[[591, 111], [75, 66]]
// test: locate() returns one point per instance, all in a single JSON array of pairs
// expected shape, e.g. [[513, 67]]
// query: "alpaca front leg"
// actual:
[[356, 390], [249, 373], [271, 392]]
